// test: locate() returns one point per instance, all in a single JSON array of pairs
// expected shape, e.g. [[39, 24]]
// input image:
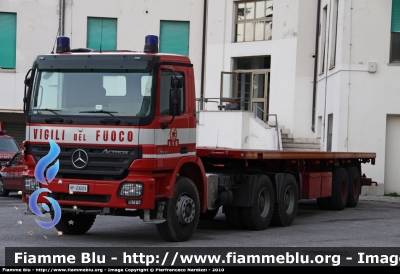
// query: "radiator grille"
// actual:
[[101, 166]]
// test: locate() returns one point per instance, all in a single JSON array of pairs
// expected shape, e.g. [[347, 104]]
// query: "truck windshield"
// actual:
[[8, 144], [80, 92]]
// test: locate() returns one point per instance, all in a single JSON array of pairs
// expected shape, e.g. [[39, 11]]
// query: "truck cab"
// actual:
[[125, 125]]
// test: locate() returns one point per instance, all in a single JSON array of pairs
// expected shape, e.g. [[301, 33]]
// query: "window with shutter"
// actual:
[[174, 37], [102, 33], [8, 38]]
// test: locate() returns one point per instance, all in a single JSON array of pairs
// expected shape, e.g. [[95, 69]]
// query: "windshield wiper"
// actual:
[[54, 111], [104, 121]]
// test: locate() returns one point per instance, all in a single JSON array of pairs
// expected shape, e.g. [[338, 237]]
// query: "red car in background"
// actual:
[[8, 150], [11, 175]]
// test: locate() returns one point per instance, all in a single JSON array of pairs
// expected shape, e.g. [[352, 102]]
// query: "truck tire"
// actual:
[[182, 213], [209, 214], [285, 211], [258, 215], [233, 217], [340, 189], [3, 192], [74, 224], [354, 186]]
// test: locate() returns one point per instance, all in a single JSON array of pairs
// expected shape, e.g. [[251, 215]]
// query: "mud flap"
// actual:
[[243, 193]]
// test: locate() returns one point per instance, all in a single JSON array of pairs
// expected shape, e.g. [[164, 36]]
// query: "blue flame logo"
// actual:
[[50, 175]]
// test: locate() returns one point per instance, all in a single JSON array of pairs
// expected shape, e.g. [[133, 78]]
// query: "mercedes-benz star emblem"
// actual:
[[80, 159]]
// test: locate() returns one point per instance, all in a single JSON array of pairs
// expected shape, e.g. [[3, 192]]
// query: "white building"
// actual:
[[326, 68], [351, 55]]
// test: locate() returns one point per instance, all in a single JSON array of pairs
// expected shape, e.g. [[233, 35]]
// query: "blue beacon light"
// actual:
[[151, 43], [62, 44]]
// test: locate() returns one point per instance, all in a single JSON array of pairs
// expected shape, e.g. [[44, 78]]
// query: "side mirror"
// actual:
[[175, 102], [27, 81], [177, 81]]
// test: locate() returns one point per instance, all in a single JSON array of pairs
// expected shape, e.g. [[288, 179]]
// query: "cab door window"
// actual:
[[165, 87]]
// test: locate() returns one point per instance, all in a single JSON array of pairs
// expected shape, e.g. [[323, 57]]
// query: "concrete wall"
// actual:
[[234, 129]]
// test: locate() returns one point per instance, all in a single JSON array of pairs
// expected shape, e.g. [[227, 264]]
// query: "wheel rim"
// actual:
[[1, 187], [263, 203], [289, 199], [185, 209]]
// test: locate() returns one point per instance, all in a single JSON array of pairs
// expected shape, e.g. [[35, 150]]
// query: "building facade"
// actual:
[[31, 28]]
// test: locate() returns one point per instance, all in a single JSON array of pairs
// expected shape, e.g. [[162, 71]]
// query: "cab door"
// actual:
[[173, 132], [18, 170]]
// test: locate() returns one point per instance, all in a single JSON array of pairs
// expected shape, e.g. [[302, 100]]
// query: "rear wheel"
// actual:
[[182, 213], [258, 215], [354, 186], [75, 224], [340, 189], [285, 211], [3, 192]]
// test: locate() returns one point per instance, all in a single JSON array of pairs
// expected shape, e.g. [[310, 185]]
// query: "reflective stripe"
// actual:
[[172, 155], [109, 135]]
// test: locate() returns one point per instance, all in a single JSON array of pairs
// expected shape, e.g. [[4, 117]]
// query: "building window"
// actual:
[[395, 30], [322, 39], [253, 21], [102, 33], [174, 37], [334, 34], [330, 133], [8, 40]]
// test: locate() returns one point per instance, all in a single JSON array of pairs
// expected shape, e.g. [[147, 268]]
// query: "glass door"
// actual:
[[248, 88], [259, 94]]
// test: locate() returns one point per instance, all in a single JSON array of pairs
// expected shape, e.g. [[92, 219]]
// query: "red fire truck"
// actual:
[[125, 123]]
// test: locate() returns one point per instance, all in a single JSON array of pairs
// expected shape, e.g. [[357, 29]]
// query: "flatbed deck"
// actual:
[[249, 154]]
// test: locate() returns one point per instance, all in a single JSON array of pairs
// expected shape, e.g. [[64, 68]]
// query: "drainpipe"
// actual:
[[61, 14], [315, 67], [203, 50]]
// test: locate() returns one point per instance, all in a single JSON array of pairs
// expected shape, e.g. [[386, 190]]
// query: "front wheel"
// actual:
[[3, 192], [74, 224], [182, 212]]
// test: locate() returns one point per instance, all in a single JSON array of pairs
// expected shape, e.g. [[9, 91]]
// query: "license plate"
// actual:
[[78, 188]]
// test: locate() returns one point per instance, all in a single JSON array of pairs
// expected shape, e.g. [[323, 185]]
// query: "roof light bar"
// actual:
[[62, 44], [151, 43]]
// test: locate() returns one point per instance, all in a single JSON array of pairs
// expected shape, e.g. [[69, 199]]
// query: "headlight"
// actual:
[[129, 190], [31, 184]]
